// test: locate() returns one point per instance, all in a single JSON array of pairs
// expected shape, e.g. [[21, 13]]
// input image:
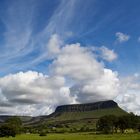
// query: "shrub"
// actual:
[[6, 131], [43, 133]]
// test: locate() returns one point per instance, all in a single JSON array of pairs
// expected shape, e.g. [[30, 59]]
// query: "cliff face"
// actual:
[[87, 107]]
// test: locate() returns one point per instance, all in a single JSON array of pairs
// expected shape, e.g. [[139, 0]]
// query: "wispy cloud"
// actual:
[[138, 39], [121, 37], [107, 54], [20, 42], [18, 32]]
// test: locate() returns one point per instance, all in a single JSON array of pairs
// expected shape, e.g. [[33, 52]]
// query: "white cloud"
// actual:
[[75, 76], [92, 82], [130, 93], [108, 54], [25, 40], [121, 37], [32, 89], [76, 62], [54, 44], [105, 87]]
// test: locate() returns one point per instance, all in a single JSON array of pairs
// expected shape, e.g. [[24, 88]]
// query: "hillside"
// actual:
[[23, 118], [86, 111], [95, 114], [74, 114]]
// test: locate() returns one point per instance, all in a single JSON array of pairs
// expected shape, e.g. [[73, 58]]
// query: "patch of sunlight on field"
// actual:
[[76, 136]]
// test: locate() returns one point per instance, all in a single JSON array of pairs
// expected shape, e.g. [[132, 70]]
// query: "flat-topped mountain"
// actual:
[[85, 111], [71, 118], [74, 112], [87, 106]]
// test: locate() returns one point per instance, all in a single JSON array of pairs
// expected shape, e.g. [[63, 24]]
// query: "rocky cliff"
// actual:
[[87, 106]]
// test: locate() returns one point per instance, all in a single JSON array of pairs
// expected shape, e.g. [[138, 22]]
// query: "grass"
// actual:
[[76, 136]]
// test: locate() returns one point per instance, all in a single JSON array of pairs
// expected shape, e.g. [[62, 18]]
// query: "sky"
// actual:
[[56, 52]]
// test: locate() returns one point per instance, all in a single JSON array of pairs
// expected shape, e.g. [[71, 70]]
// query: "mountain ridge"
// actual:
[[74, 112], [87, 106]]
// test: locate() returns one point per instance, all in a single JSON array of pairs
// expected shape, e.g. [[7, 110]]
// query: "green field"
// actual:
[[76, 136]]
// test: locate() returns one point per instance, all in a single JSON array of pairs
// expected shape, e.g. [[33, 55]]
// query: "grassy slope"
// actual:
[[76, 120], [89, 114], [76, 136]]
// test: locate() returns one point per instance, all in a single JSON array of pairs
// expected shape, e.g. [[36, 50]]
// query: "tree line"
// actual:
[[108, 124], [11, 127], [113, 124]]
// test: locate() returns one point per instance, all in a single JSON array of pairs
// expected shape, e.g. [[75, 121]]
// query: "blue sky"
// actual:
[[25, 27], [36, 37]]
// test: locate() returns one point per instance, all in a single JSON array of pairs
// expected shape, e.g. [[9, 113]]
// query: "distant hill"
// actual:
[[86, 111], [23, 118], [79, 113], [74, 113]]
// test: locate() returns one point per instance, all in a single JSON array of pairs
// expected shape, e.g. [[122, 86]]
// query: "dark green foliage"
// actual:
[[128, 121], [107, 124], [16, 123], [11, 127], [6, 131], [84, 129], [110, 124], [42, 134], [123, 123], [135, 121]]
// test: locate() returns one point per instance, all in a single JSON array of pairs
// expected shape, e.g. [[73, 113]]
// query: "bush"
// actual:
[[42, 134], [16, 123], [7, 131], [106, 124], [110, 123]]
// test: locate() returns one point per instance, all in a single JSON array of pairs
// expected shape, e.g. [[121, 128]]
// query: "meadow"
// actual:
[[76, 136]]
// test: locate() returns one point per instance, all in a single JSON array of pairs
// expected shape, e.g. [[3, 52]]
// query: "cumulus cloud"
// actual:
[[104, 88], [34, 89], [53, 46], [107, 54], [75, 77], [92, 82], [77, 63], [130, 93], [121, 37]]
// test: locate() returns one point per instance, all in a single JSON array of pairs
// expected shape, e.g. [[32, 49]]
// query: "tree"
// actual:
[[134, 121], [16, 123], [128, 121], [6, 131], [111, 123], [43, 133], [106, 124], [123, 123]]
